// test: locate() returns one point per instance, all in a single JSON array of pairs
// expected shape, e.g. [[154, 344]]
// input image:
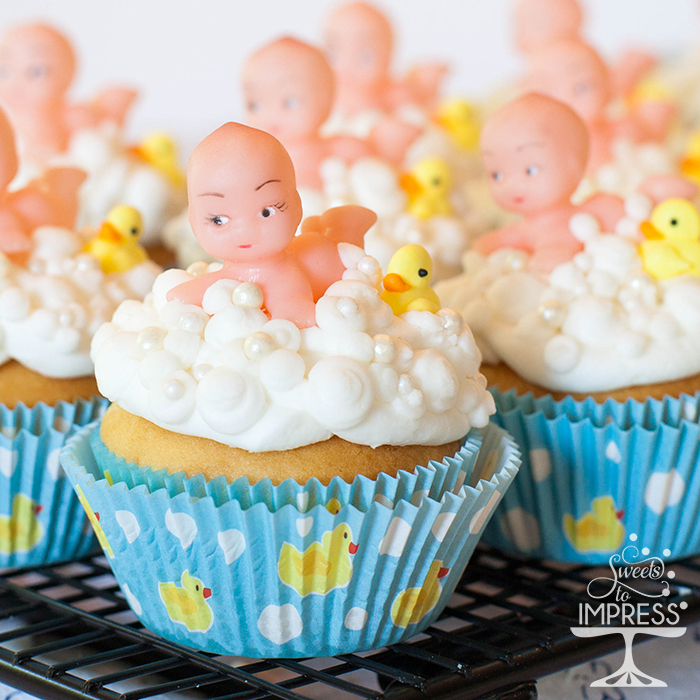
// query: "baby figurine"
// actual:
[[244, 208], [573, 72], [288, 88], [51, 200], [359, 46], [535, 151], [37, 65]]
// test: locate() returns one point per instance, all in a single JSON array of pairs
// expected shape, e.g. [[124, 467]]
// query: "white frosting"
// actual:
[[50, 309], [631, 164], [224, 371], [115, 177], [596, 323]]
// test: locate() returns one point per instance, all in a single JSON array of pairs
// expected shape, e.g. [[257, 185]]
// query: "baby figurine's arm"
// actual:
[[349, 148], [607, 208], [391, 137], [289, 295], [517, 236], [112, 105], [192, 292], [660, 187]]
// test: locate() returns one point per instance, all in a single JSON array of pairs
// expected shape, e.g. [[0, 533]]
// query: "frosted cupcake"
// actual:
[[593, 301], [281, 395]]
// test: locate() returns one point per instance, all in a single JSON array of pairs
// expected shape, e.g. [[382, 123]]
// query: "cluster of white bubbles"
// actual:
[[51, 307], [228, 372]]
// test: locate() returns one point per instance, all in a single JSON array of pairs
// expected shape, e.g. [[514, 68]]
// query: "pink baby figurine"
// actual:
[[289, 88], [535, 151], [37, 65], [538, 23], [359, 43], [244, 208], [51, 200], [573, 72]]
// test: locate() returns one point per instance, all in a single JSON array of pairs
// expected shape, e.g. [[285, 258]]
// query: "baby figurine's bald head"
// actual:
[[243, 201], [539, 23], [289, 88], [37, 65], [535, 150]]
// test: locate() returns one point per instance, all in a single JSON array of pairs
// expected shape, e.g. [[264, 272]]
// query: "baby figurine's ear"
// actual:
[[347, 224]]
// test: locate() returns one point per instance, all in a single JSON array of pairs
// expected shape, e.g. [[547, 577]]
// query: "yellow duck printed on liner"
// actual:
[[94, 519], [599, 530], [428, 186], [413, 604], [407, 282], [160, 151], [672, 245], [322, 566], [187, 604], [116, 245], [21, 530], [461, 120]]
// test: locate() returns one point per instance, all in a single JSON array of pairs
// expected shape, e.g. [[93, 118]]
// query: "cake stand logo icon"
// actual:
[[635, 575]]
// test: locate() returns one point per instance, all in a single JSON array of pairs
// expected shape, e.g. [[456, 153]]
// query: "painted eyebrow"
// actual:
[[267, 182], [210, 194], [532, 143]]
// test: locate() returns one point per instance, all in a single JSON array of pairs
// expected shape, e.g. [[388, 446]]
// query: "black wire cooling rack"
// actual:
[[66, 633]]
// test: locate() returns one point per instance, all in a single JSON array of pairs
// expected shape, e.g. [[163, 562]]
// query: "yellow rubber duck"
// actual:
[[690, 165], [461, 120], [187, 604], [407, 282], [116, 245], [94, 519], [322, 566], [428, 186], [160, 151], [599, 530], [413, 604], [21, 530], [672, 245]]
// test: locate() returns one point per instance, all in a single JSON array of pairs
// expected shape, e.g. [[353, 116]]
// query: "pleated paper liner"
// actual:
[[598, 477], [235, 569], [41, 520]]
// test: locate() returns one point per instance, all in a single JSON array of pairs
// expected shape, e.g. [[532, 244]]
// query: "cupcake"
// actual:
[[317, 444], [50, 307], [594, 327]]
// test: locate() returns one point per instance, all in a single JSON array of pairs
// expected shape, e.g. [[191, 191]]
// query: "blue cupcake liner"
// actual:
[[41, 521], [264, 571], [597, 477]]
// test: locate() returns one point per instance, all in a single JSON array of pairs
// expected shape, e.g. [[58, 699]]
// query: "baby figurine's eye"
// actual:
[[267, 212], [532, 170], [37, 71], [219, 220], [291, 103], [497, 176], [253, 106]]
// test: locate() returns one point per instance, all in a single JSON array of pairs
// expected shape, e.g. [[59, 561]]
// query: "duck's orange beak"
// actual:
[[352, 548], [395, 283], [410, 185], [443, 572], [109, 233], [620, 514], [38, 508], [206, 593], [650, 232], [97, 516]]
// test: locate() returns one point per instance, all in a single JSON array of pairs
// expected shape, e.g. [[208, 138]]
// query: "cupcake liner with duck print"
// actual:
[[41, 520], [595, 475], [290, 570]]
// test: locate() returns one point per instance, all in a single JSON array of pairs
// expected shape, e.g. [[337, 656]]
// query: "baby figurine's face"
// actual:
[[535, 152], [359, 45], [243, 201], [36, 67], [542, 22], [574, 74], [288, 89]]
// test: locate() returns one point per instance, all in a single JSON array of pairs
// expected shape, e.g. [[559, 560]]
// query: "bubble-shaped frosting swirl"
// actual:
[[227, 372]]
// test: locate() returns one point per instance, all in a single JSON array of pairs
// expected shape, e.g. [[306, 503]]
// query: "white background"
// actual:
[[185, 57]]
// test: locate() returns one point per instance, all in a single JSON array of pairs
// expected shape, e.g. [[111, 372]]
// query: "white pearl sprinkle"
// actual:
[[248, 295], [258, 345]]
